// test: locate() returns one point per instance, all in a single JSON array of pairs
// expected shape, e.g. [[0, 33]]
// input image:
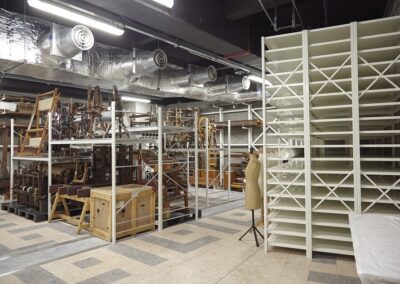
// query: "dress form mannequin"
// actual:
[[252, 192]]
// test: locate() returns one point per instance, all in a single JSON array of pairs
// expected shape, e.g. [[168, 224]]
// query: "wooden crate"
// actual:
[[137, 216]]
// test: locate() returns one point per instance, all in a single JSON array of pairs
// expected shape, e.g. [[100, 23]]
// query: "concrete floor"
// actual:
[[203, 252]]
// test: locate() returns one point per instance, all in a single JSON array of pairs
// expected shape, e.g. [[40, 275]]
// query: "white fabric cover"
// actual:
[[8, 106], [376, 242]]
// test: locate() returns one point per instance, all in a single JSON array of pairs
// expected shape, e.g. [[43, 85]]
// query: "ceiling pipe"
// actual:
[[195, 50]]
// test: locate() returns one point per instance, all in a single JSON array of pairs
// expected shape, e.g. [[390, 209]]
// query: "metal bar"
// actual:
[[307, 143], [82, 141], [297, 11], [196, 166], [356, 117], [250, 129], [221, 145], [268, 16], [188, 169], [113, 176], [49, 164], [12, 161], [264, 152], [207, 163], [160, 169], [229, 160]]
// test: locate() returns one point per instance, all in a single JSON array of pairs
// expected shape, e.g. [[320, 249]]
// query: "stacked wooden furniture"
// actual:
[[135, 210]]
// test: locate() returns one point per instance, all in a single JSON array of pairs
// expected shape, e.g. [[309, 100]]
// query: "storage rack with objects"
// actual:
[[153, 138], [335, 129]]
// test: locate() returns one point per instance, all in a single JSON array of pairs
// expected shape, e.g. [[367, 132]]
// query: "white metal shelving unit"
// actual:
[[337, 103]]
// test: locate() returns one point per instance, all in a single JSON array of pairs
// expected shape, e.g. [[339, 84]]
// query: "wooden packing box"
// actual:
[[137, 216]]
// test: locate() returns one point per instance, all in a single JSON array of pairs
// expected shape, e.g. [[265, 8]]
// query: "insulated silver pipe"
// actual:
[[249, 96], [229, 85], [202, 75], [150, 61], [196, 76]]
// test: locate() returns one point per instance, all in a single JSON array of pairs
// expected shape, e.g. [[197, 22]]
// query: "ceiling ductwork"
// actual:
[[194, 76], [45, 51], [62, 44], [229, 85], [249, 96], [136, 64]]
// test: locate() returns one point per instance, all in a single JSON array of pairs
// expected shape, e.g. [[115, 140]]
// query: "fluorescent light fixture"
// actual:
[[77, 15], [132, 99], [258, 79], [166, 3]]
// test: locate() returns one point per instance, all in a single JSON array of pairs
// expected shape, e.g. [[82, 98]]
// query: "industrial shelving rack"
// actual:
[[161, 131], [15, 158], [226, 147], [335, 130], [112, 141]]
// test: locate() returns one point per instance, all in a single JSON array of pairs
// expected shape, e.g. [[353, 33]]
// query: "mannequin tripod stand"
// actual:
[[254, 228]]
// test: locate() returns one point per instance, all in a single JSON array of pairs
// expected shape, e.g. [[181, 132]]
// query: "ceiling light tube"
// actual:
[[77, 15], [137, 100], [258, 79], [166, 3]]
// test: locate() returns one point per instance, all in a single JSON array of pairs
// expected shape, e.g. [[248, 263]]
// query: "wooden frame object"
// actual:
[[62, 196], [44, 104]]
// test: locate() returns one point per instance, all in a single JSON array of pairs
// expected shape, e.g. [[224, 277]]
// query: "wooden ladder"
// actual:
[[36, 130]]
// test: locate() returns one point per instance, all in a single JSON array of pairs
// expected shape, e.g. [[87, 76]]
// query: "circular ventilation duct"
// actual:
[[147, 62], [72, 41], [160, 58], [202, 75]]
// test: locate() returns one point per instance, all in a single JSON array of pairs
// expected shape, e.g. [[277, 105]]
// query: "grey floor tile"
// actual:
[[3, 249], [27, 229], [232, 221], [329, 278], [214, 227], [57, 225], [87, 262], [45, 255], [31, 237], [238, 214], [37, 275], [137, 254], [182, 232], [107, 277], [177, 246], [221, 208], [7, 225], [324, 258]]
